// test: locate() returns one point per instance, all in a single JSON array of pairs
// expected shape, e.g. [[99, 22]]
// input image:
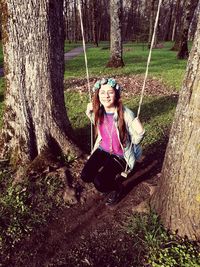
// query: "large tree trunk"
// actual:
[[177, 199], [116, 59], [35, 117], [183, 52]]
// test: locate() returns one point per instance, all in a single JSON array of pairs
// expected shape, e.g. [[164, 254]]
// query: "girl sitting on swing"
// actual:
[[117, 130]]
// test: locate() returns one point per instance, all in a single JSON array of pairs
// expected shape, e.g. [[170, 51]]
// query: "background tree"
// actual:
[[94, 22], [116, 59], [189, 13], [151, 22], [178, 15], [167, 16], [177, 198], [193, 24], [35, 118]]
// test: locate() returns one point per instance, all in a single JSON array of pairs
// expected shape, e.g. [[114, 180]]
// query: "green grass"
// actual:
[[158, 247], [26, 208], [164, 64]]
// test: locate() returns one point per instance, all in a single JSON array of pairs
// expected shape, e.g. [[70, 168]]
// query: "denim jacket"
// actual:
[[131, 154]]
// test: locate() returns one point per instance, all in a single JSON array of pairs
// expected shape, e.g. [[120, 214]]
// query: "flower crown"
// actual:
[[110, 81]]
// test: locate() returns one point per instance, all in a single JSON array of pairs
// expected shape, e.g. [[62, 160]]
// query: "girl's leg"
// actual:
[[93, 165], [105, 180]]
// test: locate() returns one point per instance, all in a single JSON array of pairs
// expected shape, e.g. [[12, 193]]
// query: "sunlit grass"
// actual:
[[164, 64]]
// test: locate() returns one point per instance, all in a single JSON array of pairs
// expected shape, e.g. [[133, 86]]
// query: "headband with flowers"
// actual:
[[110, 81]]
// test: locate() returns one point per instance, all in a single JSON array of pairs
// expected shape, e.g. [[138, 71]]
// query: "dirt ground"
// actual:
[[90, 233]]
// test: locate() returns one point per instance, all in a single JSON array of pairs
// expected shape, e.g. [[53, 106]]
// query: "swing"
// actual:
[[126, 171]]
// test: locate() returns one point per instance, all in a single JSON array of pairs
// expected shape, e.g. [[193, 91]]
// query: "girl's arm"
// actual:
[[136, 131], [138, 126]]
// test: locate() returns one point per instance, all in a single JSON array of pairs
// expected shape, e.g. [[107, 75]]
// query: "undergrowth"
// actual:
[[25, 208], [158, 247]]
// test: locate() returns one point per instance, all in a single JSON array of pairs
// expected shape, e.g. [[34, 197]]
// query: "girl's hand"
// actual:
[[138, 126], [89, 107]]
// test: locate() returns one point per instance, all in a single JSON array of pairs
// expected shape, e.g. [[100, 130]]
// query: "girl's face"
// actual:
[[107, 96]]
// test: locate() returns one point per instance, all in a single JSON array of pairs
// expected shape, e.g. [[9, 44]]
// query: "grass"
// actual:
[[164, 64], [158, 247]]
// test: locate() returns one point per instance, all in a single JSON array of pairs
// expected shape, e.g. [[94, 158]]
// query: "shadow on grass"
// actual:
[[156, 107]]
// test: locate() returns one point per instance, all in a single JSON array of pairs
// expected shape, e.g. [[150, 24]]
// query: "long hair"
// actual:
[[99, 113]]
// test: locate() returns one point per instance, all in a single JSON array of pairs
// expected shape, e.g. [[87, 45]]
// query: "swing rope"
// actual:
[[149, 57], [146, 73], [87, 72], [124, 174]]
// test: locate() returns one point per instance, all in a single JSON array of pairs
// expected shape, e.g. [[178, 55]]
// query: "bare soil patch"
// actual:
[[132, 85]]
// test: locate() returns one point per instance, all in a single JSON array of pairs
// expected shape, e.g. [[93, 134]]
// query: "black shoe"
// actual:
[[114, 197]]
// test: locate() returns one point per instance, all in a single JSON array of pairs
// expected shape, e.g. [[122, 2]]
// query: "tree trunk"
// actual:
[[94, 22], [183, 52], [151, 23], [177, 25], [177, 198], [35, 117], [75, 22], [168, 26], [116, 59]]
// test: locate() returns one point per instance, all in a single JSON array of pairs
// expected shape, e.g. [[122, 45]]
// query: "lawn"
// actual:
[[164, 65]]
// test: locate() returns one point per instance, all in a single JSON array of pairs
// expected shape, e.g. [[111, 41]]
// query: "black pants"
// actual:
[[101, 169]]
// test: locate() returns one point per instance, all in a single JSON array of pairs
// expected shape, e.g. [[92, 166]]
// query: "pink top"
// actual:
[[110, 141]]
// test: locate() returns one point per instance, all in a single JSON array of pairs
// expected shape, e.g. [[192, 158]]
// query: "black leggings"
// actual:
[[102, 169]]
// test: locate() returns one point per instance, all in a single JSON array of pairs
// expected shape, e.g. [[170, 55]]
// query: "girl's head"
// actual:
[[107, 95]]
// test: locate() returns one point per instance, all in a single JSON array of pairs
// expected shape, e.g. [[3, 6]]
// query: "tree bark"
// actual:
[[116, 59], [183, 52], [177, 198], [35, 117]]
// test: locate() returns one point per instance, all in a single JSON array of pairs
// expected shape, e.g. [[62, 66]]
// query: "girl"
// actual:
[[115, 127]]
